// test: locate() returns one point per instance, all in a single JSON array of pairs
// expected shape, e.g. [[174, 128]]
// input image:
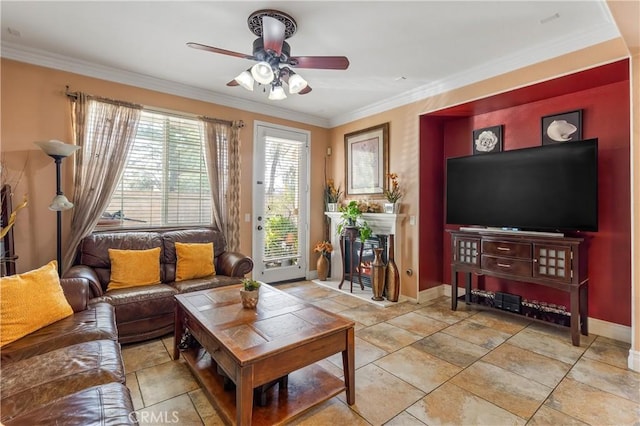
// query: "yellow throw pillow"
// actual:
[[131, 268], [195, 260], [31, 301]]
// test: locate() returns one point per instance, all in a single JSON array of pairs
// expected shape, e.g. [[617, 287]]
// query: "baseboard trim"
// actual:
[[634, 360], [601, 328]]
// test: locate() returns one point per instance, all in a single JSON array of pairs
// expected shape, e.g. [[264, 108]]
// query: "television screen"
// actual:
[[549, 187]]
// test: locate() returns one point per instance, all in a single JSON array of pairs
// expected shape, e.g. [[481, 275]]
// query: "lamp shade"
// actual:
[[60, 203], [245, 80], [262, 72], [57, 148], [296, 83], [277, 93]]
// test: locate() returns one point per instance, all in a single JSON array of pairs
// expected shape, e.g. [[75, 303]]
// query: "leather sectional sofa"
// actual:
[[145, 312], [69, 372]]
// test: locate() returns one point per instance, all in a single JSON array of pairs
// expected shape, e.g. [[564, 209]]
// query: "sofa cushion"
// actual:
[[30, 383], [95, 323], [140, 302], [196, 235], [104, 405], [194, 260], [132, 268], [31, 301]]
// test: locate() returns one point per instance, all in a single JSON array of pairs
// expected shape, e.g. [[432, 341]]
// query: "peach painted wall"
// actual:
[[34, 108]]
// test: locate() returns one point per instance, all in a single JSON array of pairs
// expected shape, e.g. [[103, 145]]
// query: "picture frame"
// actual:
[[563, 127], [487, 140], [366, 160]]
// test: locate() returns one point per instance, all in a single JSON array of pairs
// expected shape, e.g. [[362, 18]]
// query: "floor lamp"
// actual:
[[58, 150]]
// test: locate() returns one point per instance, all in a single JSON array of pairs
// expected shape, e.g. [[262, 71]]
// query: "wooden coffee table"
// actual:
[[282, 337]]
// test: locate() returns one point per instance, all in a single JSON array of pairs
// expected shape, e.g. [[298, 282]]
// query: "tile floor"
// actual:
[[425, 364]]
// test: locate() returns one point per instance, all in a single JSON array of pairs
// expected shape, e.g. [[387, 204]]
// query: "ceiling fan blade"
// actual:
[[272, 34], [320, 62], [305, 90], [218, 50], [233, 83]]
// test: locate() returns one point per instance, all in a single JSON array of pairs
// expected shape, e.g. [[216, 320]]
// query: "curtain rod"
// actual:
[[74, 95]]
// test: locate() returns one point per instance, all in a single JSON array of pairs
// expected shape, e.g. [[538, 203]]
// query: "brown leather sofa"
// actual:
[[146, 312], [70, 372]]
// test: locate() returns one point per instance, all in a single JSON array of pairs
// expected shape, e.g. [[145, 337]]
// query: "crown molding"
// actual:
[[526, 57], [64, 63]]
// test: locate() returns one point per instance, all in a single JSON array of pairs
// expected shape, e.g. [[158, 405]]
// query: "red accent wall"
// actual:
[[606, 115]]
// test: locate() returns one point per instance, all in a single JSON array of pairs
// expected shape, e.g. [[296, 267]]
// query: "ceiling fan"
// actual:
[[273, 55]]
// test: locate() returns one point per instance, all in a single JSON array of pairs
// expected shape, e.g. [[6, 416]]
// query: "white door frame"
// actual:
[[258, 164]]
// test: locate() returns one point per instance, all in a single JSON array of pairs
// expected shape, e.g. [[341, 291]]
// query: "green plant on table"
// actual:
[[250, 285], [352, 217]]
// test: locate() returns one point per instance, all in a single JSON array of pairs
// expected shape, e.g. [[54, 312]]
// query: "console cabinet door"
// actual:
[[552, 262], [467, 251]]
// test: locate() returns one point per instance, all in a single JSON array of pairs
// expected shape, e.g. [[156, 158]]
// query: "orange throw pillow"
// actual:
[[132, 268], [31, 301], [194, 260]]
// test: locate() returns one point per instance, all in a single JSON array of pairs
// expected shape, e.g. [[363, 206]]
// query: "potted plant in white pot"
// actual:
[[249, 294]]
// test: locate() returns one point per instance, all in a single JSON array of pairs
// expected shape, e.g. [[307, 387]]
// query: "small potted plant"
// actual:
[[249, 293], [351, 214], [331, 196], [392, 194]]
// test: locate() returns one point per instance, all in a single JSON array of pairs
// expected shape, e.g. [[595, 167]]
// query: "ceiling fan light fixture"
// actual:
[[277, 93], [296, 83], [262, 72], [245, 79]]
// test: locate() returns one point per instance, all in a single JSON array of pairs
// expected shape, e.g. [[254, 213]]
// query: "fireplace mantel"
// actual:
[[380, 224]]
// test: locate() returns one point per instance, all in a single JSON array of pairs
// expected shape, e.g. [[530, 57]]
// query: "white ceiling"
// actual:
[[399, 51]]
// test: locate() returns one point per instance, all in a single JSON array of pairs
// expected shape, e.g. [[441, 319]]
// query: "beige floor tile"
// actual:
[[137, 356], [368, 314], [312, 292], [330, 305], [349, 301], [503, 388], [333, 368], [418, 324], [500, 321], [404, 419], [365, 354], [618, 381], [528, 364], [477, 334], [453, 350], [165, 381], [388, 337], [134, 389], [546, 416], [178, 410], [592, 405], [452, 405], [441, 311], [331, 412], [418, 368], [402, 308], [552, 346], [610, 351], [380, 396], [560, 332], [167, 341], [205, 410]]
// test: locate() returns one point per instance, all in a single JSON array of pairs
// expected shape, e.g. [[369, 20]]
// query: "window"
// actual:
[[165, 180]]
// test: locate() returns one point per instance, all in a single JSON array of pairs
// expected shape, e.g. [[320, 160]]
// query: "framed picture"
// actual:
[[488, 139], [562, 127], [366, 160]]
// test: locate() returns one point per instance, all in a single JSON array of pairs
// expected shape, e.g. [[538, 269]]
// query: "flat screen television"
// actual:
[[544, 188]]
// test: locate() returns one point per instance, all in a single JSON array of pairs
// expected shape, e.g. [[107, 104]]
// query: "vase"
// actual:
[[249, 298], [392, 207], [322, 266], [332, 207], [392, 274], [377, 275]]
